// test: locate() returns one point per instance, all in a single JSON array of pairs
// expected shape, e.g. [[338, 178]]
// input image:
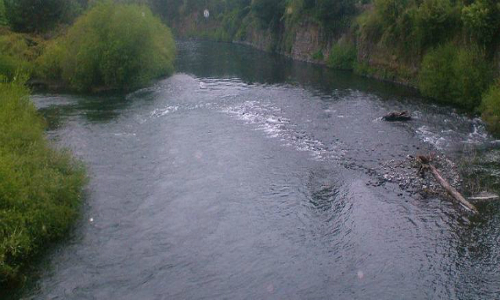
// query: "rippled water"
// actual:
[[245, 176]]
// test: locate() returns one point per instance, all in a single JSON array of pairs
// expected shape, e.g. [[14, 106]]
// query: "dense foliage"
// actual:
[[342, 56], [236, 15], [39, 16], [3, 16], [452, 44], [17, 53], [40, 188], [112, 45], [455, 76], [491, 108]]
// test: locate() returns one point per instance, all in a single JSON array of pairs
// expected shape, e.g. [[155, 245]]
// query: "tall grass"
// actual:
[[17, 51], [40, 188]]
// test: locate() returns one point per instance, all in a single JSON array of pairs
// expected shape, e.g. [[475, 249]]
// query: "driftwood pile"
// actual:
[[426, 165]]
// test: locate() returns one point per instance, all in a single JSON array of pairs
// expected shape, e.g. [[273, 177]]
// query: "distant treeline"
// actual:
[[39, 16]]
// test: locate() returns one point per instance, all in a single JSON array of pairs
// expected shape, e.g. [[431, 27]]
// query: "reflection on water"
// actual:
[[245, 176]]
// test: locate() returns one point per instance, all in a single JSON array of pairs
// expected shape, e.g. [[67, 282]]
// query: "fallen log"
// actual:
[[425, 161], [397, 116], [484, 196]]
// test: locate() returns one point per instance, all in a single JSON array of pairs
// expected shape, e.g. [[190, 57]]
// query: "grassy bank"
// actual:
[[40, 187], [109, 46]]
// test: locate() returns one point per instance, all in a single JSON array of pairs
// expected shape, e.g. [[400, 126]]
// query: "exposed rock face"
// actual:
[[309, 41], [306, 41], [257, 38]]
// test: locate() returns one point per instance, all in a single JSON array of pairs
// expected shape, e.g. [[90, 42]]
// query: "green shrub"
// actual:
[[342, 56], [3, 17], [490, 108], [318, 55], [39, 16], [436, 21], [115, 46], [457, 76], [268, 12], [48, 65], [370, 26], [472, 74], [15, 54], [40, 188], [390, 10], [12, 65], [334, 14], [481, 20]]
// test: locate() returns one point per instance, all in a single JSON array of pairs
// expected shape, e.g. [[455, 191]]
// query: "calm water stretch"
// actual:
[[249, 176]]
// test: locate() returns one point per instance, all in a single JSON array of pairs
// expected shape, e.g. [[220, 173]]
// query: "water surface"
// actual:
[[248, 176]]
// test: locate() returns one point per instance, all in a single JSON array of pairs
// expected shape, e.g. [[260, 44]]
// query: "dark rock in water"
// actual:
[[397, 116]]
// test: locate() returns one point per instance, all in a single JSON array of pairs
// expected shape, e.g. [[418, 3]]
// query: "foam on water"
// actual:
[[433, 138], [271, 120], [479, 134], [160, 112]]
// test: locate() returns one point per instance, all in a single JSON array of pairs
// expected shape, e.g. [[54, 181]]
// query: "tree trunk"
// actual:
[[451, 190]]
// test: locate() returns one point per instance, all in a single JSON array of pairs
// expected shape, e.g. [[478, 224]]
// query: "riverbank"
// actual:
[[40, 187], [432, 46], [120, 47], [110, 47]]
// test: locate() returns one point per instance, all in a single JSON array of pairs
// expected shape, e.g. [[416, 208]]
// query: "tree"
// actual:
[[268, 11], [333, 11], [39, 16]]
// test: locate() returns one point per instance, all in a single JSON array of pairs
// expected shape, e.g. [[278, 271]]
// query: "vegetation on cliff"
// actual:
[[40, 188], [450, 45], [456, 76], [39, 16], [446, 48], [3, 17]]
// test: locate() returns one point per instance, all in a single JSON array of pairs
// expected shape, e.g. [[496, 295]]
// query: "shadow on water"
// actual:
[[224, 60], [93, 108]]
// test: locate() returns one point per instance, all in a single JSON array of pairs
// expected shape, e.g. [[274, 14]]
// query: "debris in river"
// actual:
[[426, 165], [397, 116]]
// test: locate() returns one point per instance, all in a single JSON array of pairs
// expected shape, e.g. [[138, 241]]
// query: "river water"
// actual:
[[250, 176]]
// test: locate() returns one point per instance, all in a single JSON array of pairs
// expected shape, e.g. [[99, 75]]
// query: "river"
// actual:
[[247, 175]]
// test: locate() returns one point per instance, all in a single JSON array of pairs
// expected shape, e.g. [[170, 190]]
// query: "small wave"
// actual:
[[430, 137], [270, 120], [125, 134], [160, 112], [478, 134]]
